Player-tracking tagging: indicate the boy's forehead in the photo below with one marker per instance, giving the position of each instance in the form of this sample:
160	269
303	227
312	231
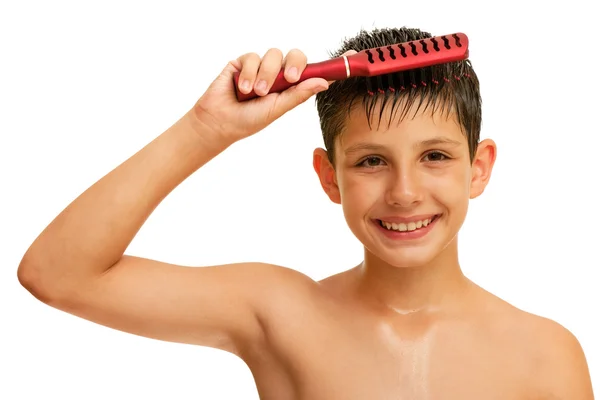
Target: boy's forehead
394	125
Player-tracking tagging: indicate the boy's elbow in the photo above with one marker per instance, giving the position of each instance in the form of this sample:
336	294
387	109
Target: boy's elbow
31	277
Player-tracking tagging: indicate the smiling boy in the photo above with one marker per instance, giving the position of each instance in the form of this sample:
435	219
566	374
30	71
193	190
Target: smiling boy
403	324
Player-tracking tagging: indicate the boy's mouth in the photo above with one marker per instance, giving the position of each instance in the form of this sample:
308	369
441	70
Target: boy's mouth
408	226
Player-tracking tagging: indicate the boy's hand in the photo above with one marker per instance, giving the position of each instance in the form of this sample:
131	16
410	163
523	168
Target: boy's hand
219	110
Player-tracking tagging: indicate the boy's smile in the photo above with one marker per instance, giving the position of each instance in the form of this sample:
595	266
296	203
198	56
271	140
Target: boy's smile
400	228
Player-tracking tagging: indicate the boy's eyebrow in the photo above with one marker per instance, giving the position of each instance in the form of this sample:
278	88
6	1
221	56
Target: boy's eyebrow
438	140
361	146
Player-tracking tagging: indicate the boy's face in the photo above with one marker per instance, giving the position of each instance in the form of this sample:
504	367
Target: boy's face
405	190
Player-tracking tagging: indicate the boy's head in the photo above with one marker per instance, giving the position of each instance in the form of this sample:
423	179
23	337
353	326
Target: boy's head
404	159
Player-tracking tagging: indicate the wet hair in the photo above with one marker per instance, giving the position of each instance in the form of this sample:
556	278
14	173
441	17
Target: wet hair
450	87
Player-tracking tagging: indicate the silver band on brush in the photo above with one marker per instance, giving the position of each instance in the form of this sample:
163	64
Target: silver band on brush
347	67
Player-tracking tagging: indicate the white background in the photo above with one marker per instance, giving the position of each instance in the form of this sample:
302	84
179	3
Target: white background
84	85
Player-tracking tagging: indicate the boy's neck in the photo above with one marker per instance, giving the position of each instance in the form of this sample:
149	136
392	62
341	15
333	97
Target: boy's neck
439	285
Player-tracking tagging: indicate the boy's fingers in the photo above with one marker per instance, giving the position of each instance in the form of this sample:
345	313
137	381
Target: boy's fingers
268	70
250	63
261	74
294	64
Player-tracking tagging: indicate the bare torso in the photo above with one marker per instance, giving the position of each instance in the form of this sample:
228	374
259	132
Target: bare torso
328	346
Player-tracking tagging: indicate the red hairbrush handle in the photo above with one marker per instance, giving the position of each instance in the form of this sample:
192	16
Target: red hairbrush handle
330	70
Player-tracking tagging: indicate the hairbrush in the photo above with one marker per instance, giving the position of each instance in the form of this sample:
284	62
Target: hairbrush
376	62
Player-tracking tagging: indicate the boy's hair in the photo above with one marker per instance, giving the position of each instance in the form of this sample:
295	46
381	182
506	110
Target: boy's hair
456	90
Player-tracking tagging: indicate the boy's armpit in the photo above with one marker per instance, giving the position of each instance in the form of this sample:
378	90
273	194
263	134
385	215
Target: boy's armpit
560	369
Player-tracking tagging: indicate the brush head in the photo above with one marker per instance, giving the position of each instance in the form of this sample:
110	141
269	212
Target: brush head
410	64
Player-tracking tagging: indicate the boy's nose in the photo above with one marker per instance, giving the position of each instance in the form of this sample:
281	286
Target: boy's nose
403	189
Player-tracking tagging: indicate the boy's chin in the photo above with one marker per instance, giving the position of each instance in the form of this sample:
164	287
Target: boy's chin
408	258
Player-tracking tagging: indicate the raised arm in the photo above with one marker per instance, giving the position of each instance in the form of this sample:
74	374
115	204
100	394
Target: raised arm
77	263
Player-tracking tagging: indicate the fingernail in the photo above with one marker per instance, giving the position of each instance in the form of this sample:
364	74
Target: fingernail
245	86
293	73
262	86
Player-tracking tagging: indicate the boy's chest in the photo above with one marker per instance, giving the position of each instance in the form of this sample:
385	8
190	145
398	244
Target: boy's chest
349	361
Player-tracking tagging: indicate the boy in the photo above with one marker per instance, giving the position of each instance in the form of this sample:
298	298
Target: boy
404	324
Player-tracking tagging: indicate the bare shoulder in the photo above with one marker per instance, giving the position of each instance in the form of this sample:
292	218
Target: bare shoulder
553	357
283	291
559	362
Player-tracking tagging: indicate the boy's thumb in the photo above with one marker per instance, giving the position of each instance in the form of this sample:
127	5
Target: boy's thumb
298	94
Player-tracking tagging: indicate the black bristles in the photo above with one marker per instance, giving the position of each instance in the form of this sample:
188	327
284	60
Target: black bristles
417	86
412	79
369	87
380	88
424	78
400	81
390	83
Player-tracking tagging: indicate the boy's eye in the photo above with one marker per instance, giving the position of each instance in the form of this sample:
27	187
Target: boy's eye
371	161
435	156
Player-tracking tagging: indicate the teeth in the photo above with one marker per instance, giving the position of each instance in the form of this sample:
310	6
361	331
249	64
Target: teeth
401	227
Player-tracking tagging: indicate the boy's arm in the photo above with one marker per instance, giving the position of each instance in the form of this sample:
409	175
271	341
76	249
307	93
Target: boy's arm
77	263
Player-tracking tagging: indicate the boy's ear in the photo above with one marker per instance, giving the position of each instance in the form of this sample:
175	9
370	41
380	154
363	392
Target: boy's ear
481	168
326	174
